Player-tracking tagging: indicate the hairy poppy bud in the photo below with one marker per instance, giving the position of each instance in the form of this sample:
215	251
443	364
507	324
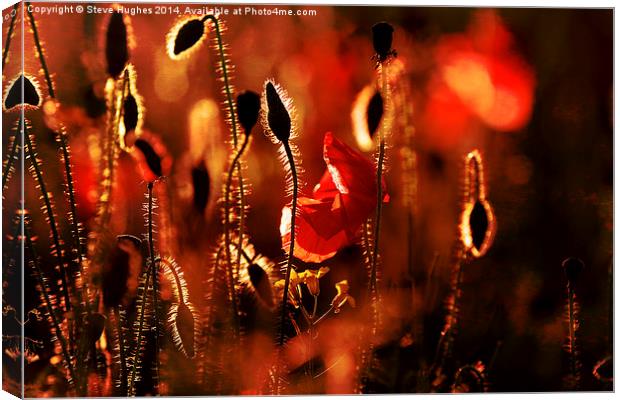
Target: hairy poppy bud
31	98
184	37
248	108
572	268
382	39
116	45
278	118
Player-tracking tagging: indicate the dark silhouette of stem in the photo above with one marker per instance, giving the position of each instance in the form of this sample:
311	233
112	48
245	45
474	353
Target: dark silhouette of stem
229	268
9	35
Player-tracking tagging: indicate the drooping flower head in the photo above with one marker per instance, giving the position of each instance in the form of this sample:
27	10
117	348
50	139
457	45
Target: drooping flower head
13	98
478	223
185	37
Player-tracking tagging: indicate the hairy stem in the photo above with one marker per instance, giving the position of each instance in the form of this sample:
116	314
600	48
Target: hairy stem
155	273
49	210
37	43
121	350
48	304
131	391
230	272
11	157
377	228
289	262
7	45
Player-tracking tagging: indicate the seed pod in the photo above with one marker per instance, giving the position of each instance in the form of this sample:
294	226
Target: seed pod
184	37
382	40
374	113
278	118
572	268
202	185
13	98
248	108
116	45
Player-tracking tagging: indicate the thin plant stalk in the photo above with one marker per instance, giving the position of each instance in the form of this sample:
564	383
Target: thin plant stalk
37	43
49	209
231	171
48	304
154	272
289	262
11	158
233	127
7	45
64	147
377	227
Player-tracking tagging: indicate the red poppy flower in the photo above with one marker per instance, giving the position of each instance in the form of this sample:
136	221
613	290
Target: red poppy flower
340	203
478	77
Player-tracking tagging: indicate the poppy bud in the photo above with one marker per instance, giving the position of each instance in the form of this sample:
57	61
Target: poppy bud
382	39
185	37
278	118
31	98
260	282
130	113
572	268
151	158
94	327
184	323
202	185
116	47
374	113
248	108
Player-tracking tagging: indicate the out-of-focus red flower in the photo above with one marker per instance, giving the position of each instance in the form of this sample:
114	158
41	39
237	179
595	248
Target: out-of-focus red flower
340	203
479	77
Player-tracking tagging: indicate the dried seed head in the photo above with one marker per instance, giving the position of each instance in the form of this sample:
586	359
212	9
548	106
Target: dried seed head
261	284
278	117
202	185
184	37
248	109
13	97
374	112
116	45
382	40
572	268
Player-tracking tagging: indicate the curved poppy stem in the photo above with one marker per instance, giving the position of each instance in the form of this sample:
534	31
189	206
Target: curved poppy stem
229	268
37	43
155	274
377	228
11	158
9	35
233	127
289	263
